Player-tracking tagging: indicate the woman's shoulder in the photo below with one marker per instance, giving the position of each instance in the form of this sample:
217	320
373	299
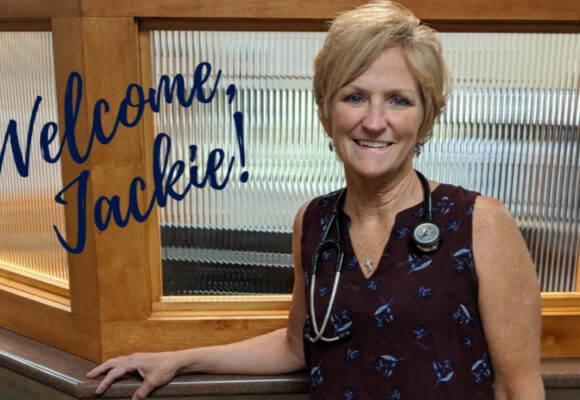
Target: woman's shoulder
321	204
490	214
447	189
447	198
314	213
496	235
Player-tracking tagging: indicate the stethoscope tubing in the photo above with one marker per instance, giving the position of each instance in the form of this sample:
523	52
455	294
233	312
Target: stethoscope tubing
319	332
324	244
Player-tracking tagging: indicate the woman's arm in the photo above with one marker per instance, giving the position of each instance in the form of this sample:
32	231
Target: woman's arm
273	353
509	301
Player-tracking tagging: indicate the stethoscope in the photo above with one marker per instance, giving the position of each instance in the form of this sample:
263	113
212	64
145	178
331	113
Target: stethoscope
426	236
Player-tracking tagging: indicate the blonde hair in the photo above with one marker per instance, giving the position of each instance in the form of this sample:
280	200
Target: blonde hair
357	37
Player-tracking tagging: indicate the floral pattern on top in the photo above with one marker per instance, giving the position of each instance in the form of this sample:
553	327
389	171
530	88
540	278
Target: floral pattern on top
414	329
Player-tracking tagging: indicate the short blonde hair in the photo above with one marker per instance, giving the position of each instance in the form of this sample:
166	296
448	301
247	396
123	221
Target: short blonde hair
357	37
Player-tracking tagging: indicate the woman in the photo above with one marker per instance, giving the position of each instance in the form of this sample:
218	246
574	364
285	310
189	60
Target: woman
410	323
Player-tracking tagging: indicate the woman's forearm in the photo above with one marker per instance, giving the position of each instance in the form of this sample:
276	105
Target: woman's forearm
273	353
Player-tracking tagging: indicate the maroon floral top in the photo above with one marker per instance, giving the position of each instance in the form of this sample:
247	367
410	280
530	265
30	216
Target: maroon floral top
415	324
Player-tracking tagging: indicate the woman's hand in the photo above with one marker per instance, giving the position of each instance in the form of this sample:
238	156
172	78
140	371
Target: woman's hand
156	369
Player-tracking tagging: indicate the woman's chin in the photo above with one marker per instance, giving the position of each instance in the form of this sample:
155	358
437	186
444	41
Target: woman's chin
373	173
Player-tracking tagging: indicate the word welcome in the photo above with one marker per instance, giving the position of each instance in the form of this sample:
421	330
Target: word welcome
134	103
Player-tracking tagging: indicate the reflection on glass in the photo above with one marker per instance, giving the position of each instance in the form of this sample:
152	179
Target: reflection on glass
510	131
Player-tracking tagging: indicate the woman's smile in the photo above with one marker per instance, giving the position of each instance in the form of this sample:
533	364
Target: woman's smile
372	144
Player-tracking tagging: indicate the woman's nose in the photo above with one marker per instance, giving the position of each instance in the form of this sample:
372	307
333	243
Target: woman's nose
375	120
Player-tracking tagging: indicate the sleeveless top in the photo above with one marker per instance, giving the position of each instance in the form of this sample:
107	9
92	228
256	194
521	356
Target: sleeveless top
415	323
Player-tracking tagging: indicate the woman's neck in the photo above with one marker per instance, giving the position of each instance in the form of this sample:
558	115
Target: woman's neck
383	199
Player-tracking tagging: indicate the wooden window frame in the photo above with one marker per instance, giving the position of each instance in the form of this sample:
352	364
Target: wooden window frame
115	305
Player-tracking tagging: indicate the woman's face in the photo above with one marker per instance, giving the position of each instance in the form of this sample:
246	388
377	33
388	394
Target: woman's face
375	119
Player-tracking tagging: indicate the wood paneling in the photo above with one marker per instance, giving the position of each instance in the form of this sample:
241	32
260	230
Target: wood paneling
561	336
490	10
436	10
111	55
68	57
73	333
164	334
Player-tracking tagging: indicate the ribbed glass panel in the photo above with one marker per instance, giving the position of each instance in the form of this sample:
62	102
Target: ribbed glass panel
510	131
28	244
284	145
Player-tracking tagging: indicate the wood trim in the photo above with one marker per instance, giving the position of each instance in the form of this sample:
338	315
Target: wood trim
578	270
505	26
25	25
217	24
222	303
297	15
302	25
40	8
453	10
34	292
34	284
561	303
152	225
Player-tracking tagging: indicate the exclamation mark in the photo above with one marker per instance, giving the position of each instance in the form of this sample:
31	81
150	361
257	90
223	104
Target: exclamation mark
239	121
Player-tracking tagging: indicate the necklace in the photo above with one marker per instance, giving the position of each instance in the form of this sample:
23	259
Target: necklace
368	264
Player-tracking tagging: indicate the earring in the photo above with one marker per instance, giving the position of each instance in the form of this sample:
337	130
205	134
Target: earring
331	145
417	148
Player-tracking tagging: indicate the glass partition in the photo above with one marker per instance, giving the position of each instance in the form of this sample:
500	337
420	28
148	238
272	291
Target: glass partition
510	131
29	247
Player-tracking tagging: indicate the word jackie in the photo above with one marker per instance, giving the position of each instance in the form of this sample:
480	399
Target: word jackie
134	103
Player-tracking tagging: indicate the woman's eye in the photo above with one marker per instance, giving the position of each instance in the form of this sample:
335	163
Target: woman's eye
354	99
400	101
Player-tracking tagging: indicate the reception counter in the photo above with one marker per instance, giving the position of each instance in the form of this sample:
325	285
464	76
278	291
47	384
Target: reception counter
32	370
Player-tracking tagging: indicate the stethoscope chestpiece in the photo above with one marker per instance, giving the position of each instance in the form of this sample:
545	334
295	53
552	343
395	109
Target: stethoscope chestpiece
426	236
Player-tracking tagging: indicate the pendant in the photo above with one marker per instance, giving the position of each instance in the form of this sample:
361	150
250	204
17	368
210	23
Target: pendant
369	264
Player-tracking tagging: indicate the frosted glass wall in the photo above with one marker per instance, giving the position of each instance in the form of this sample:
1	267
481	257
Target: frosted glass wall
28	244
510	131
